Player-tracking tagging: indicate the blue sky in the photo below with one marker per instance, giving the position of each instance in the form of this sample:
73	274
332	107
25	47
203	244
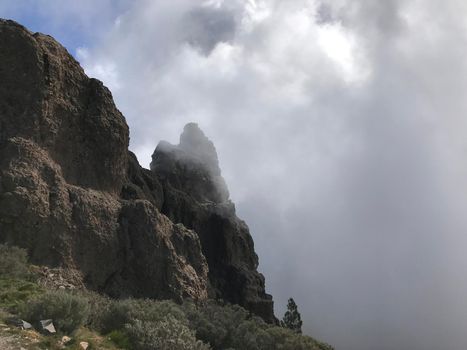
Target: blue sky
74	24
69	34
70	37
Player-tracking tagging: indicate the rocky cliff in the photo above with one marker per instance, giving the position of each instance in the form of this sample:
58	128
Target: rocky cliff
75	197
195	194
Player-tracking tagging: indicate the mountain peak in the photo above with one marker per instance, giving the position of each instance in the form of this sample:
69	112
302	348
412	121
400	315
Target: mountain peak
194	142
195	195
197	153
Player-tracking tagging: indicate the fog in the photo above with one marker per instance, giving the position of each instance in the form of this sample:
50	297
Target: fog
340	127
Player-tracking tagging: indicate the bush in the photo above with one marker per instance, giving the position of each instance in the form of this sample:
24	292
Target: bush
147	324
120	338
286	339
14	262
214	323
68	311
252	335
114	316
122	312
98	307
14	292
232	327
166	334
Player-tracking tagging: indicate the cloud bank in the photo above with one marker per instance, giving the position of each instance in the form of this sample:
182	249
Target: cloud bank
340	127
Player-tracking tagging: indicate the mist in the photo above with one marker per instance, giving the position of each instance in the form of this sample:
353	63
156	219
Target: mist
340	128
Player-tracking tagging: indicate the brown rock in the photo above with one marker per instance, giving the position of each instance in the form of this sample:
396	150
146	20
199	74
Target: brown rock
47	99
64	163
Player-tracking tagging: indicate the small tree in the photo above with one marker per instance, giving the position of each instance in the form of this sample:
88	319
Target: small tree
292	319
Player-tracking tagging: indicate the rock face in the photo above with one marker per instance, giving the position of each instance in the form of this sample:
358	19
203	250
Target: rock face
76	198
196	195
70	191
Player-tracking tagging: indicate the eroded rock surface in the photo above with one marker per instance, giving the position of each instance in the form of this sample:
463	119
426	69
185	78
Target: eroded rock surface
195	194
77	199
70	191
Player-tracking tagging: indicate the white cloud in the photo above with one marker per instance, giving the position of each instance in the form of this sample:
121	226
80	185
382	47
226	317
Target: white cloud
340	126
105	70
341	47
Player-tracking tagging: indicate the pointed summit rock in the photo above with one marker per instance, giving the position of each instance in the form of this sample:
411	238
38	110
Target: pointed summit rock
192	165
197	145
195	194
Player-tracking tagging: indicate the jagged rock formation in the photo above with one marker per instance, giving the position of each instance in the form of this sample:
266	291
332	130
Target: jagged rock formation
196	195
75	197
64	161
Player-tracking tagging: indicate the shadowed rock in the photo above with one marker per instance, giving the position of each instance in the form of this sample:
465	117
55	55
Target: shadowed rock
195	194
201	176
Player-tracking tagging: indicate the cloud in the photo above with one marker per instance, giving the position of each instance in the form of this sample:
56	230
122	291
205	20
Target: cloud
335	136
207	26
340	127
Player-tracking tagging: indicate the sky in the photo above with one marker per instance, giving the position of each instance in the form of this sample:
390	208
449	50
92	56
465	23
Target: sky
341	131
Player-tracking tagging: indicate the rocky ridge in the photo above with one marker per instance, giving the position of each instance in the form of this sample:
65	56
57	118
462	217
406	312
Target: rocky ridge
76	198
196	195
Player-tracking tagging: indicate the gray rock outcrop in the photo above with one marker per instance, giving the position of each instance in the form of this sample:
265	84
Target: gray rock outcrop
196	195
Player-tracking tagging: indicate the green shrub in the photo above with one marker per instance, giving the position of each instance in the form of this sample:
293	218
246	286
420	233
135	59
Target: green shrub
166	334
147	324
121	312
98	307
14	292
120	338
252	335
14	262
232	327
117	314
215	323
286	339
68	311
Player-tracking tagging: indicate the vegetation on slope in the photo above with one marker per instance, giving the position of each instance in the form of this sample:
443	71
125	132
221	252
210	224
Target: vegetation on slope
138	324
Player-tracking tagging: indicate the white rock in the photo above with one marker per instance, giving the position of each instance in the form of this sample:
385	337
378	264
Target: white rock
65	339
